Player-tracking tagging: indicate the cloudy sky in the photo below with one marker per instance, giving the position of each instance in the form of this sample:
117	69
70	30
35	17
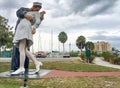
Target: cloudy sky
97	20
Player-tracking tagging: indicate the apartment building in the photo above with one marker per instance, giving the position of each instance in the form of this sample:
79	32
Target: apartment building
102	46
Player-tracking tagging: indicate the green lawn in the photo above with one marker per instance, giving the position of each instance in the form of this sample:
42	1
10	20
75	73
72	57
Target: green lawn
71	82
68	66
76	66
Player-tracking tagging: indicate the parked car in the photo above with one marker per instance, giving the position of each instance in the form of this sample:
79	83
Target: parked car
66	55
40	54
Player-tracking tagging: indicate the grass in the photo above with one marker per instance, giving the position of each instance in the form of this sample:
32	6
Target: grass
4	66
71	82
76	66
67	66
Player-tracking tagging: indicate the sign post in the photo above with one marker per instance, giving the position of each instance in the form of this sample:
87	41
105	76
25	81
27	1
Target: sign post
88	54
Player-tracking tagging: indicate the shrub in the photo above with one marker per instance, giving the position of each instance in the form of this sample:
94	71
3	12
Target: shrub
96	54
117	61
114	59
106	56
74	54
83	56
92	57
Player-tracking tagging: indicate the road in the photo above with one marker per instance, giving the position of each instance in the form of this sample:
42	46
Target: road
42	59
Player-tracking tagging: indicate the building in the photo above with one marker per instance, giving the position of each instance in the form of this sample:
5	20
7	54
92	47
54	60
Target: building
102	46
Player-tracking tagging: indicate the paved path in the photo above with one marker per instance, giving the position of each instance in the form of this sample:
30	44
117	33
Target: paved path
100	61
42	59
5	59
58	73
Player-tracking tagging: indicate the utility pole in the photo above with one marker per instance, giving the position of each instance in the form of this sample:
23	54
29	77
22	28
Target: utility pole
39	43
59	45
51	41
69	47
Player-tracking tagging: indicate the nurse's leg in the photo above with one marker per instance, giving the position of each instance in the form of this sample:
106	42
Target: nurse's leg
36	62
22	46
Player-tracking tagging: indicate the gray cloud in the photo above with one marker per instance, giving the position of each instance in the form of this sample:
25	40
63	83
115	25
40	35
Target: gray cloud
116	45
109	24
80	5
96	24
9	7
83	7
100	36
11	4
101	7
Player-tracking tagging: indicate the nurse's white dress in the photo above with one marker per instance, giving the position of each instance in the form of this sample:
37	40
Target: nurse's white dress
24	29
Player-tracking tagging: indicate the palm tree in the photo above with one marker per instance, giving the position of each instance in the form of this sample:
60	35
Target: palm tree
62	37
80	42
89	45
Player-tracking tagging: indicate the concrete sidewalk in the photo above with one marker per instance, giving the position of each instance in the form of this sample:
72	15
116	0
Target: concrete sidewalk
100	61
5	59
44	59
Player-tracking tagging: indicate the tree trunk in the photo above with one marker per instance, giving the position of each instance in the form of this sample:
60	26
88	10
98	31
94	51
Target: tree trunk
80	49
0	51
63	49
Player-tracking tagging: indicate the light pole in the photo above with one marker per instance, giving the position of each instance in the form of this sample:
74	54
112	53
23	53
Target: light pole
39	43
69	47
51	42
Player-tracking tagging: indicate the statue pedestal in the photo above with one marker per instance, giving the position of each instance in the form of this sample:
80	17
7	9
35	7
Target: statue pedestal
28	74
31	74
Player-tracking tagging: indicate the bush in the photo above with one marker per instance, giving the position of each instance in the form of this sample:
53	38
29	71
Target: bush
83	56
117	61
74	54
114	59
96	54
92	57
106	56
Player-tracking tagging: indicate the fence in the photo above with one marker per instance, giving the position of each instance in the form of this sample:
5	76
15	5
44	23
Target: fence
5	54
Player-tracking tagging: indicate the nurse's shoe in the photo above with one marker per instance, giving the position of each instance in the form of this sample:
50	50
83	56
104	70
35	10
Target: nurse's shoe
38	66
18	71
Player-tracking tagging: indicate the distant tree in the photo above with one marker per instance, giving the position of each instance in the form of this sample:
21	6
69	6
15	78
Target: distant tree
89	45
62	37
80	42
113	49
6	35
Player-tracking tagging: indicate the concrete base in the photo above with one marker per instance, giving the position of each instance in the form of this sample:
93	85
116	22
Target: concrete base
31	74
